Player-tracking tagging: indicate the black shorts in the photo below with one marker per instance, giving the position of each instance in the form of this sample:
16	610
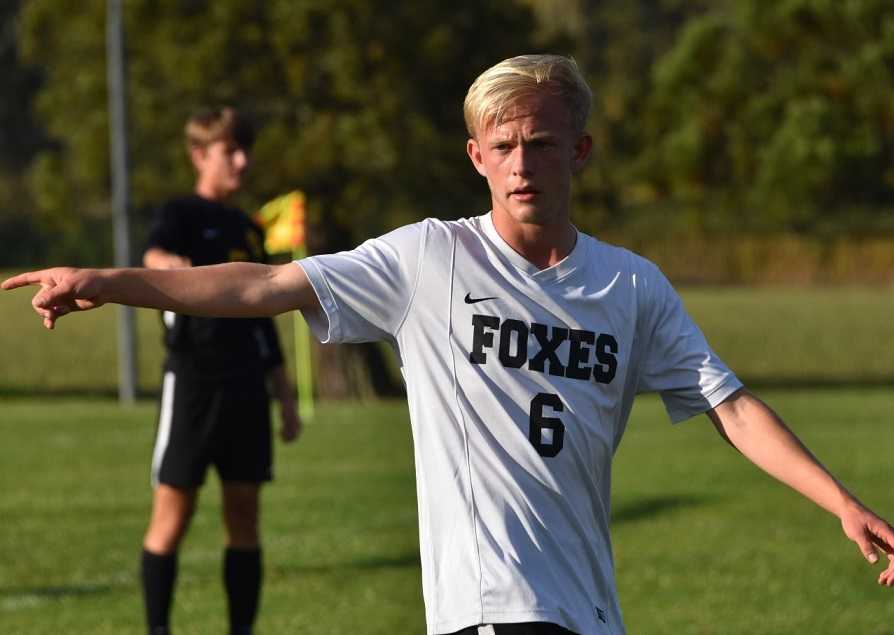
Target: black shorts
222	423
524	628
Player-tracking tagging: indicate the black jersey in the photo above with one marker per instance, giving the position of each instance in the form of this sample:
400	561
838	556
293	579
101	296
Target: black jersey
208	232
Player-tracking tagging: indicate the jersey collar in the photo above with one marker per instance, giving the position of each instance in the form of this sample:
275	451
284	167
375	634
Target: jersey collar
562	269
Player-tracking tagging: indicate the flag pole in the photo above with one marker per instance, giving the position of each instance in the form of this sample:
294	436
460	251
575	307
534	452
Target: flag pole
303	362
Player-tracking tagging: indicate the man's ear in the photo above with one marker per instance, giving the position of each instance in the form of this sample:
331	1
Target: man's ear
474	152
582	150
197	156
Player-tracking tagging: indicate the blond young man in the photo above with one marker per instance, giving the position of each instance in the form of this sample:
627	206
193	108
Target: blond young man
215	407
523	343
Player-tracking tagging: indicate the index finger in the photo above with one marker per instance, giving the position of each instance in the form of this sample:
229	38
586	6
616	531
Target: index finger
22	280
886	577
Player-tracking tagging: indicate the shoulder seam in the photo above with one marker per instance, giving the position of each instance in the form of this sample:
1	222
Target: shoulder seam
423	239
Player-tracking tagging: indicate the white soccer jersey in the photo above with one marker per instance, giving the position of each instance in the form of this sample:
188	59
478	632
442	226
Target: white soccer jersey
519	383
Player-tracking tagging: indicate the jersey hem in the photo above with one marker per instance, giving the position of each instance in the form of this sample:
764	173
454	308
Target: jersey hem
713	399
330	331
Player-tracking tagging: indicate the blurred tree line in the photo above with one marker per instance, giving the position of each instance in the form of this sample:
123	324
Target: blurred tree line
711	117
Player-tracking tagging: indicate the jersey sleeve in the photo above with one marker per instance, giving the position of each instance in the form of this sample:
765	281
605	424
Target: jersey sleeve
166	231
678	362
365	293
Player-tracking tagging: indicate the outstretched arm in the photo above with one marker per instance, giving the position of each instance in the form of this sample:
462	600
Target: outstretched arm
238	289
756	431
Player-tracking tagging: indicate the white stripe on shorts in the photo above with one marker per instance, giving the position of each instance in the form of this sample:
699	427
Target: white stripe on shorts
487	629
164	425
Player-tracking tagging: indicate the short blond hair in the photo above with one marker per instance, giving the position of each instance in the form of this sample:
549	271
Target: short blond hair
209	125
503	84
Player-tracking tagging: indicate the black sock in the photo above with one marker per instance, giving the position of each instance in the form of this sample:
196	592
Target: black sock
158	574
242	579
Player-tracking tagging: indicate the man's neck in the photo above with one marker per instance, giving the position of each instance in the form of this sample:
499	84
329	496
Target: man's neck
209	193
541	245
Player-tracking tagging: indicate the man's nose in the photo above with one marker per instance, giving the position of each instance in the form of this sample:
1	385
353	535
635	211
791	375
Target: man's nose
522	161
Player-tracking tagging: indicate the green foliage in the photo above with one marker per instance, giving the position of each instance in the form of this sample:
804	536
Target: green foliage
20	138
358	106
744	115
783	109
618	45
68	183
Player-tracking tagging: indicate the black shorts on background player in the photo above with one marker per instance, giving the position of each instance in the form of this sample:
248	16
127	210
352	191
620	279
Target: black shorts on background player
224	423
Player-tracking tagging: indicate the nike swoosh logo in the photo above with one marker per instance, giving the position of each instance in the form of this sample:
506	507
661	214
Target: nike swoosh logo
470	300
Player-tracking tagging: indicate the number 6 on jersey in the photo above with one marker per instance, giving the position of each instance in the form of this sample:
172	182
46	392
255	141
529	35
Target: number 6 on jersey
546	434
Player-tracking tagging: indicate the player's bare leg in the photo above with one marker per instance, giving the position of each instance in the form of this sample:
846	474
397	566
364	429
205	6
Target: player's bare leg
242	557
172	510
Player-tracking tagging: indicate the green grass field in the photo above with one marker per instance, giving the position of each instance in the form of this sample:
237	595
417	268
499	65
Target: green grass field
339	522
705	544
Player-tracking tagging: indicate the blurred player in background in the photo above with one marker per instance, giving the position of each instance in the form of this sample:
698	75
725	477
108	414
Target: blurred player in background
214	405
522	342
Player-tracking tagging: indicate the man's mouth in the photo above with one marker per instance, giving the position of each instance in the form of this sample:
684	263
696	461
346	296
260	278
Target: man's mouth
524	193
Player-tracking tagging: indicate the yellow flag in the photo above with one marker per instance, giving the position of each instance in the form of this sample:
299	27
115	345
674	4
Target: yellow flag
283	223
